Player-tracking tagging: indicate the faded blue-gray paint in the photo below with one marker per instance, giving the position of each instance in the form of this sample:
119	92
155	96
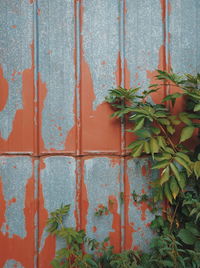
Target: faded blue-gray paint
16	36
15	173
12	264
184	46
101	178
56	66
101	44
139	182
143	39
58	180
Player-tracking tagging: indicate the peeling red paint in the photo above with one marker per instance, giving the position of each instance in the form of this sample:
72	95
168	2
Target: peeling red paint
23	117
48	251
98	129
115	237
11	248
84	205
42	96
3	205
94	229
3	89
13	200
144	171
128	229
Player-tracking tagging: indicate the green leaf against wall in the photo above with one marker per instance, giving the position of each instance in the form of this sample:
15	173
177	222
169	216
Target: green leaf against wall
187	236
186	133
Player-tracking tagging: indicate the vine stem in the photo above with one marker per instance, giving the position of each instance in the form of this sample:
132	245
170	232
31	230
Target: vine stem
174	215
168	138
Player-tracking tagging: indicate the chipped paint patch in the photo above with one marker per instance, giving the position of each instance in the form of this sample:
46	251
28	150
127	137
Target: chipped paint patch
13	264
101	181
14	182
57	186
101	44
15	56
139	215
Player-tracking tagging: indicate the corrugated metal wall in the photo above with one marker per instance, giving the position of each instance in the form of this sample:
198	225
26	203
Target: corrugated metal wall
57	143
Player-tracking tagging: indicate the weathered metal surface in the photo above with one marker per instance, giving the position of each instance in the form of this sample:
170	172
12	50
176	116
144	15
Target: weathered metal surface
138	214
184	37
16	76
56	68
101	186
99	72
144	45
57	186
18	210
58	60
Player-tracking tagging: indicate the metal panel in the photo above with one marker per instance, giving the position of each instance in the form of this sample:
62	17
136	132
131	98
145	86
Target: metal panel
100	187
57	186
144	45
184	37
58	61
137	215
56	75
16	76
18	217
99	72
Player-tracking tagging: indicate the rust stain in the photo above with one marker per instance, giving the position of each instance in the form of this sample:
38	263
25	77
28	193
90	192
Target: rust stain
163	10
42	96
157	98
84	205
23	121
94	229
48	251
13	200
3	205
128	229
14	26
115	237
3	89
98	129
11	248
144	171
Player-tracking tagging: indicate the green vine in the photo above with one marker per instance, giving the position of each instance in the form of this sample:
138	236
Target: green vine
163	135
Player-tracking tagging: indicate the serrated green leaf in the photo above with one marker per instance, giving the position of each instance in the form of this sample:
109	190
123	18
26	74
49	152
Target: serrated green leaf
164	121
143	133
197	107
187	133
154	146
197	169
170	129
167	192
184	156
138	151
135	144
155	130
161	164
174	187
139	124
161	141
177	174
146	147
187	237
163	156
164	176
184	164
184	118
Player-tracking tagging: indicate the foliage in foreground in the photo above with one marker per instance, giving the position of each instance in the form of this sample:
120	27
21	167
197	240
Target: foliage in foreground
177	243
